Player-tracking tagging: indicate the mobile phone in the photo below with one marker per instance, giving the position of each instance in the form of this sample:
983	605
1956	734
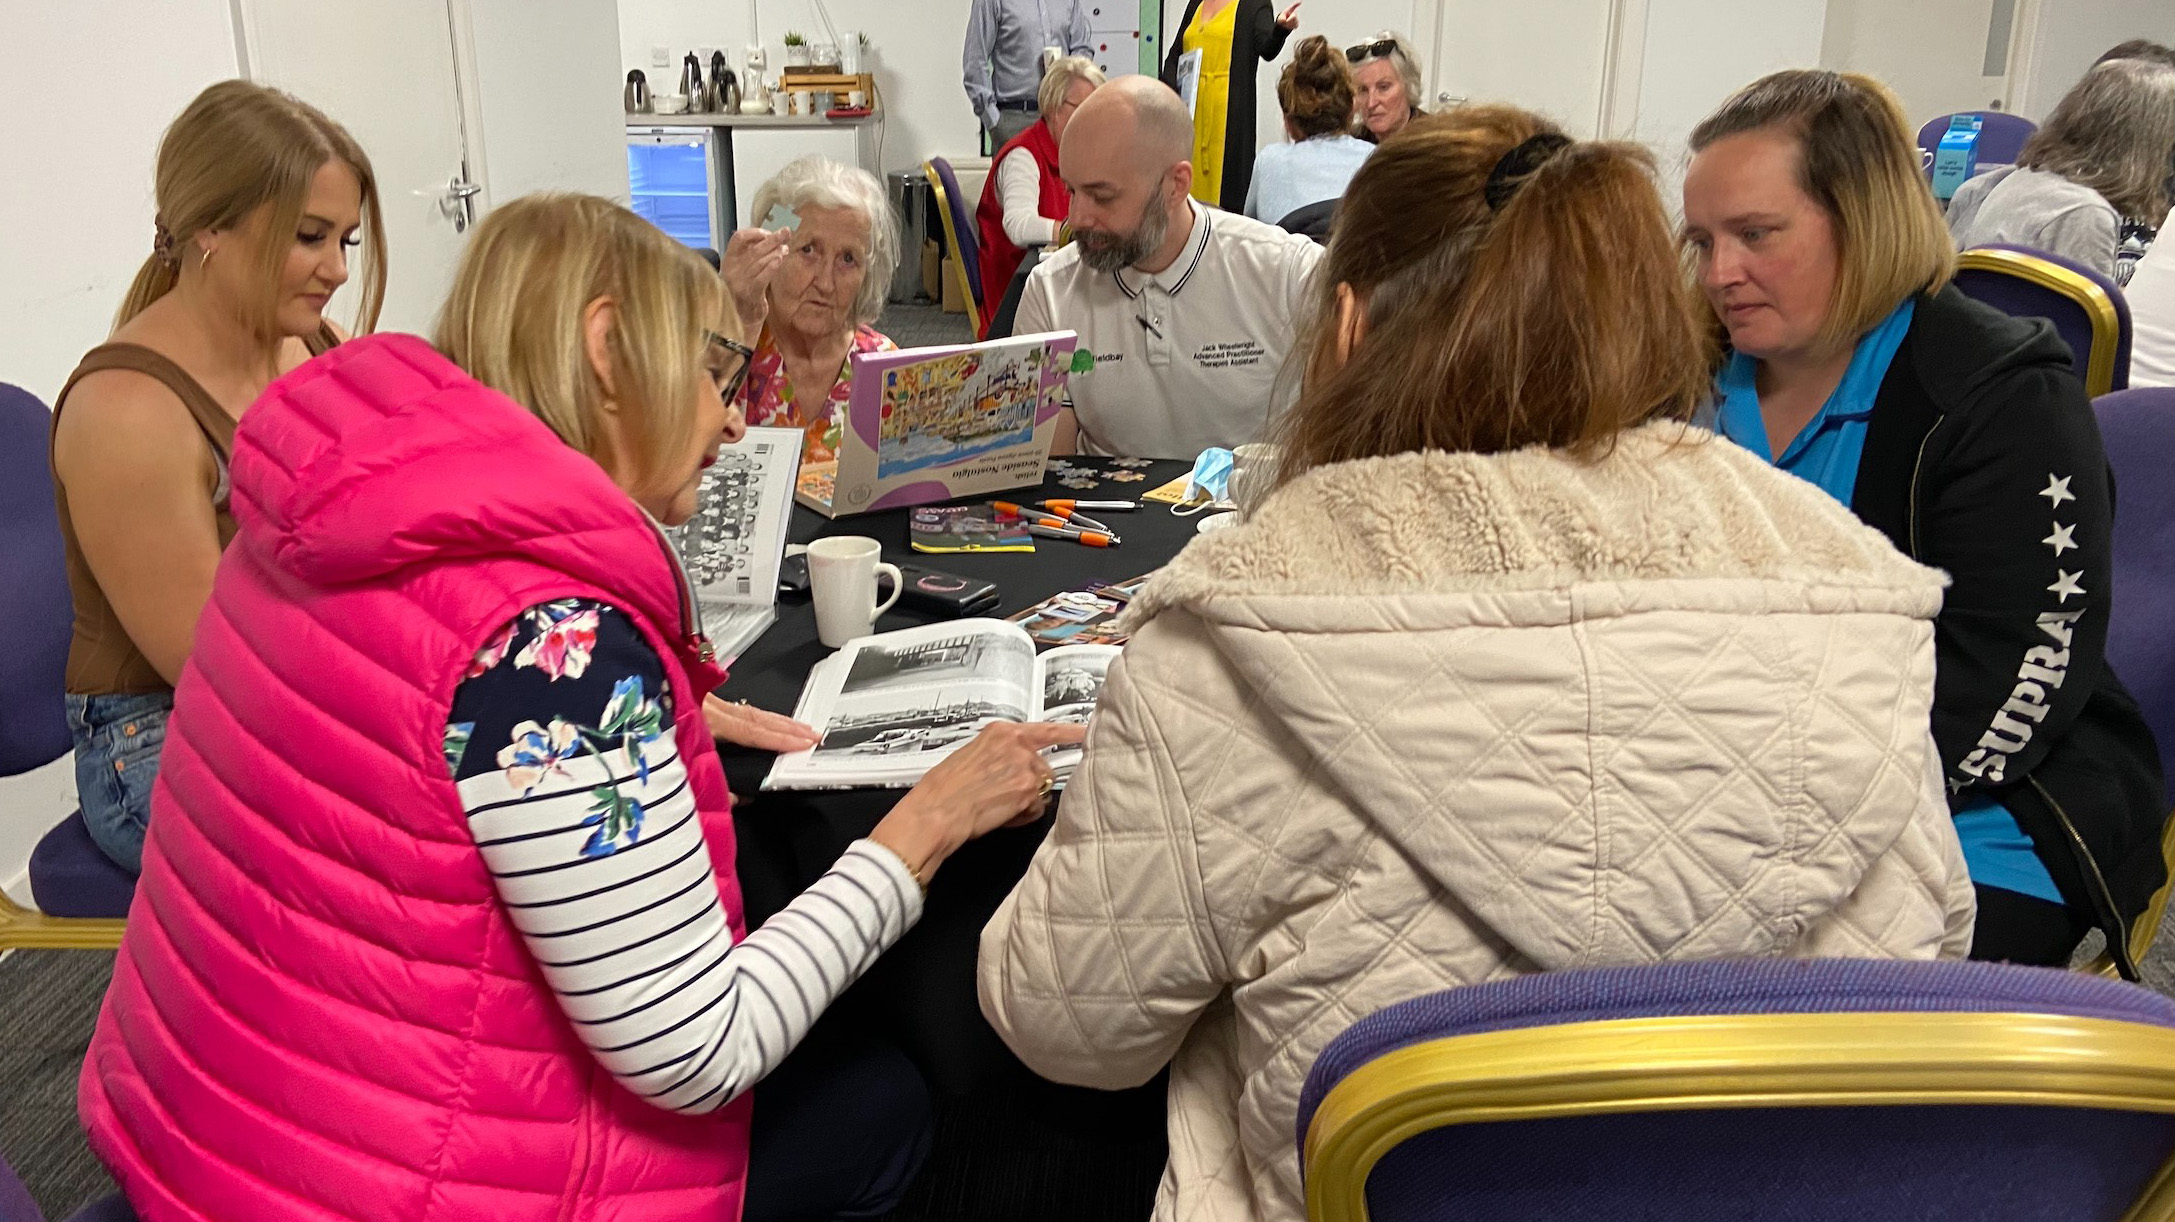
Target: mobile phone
793	574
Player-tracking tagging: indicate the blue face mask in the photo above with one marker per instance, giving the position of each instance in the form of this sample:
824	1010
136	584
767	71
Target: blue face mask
1210	480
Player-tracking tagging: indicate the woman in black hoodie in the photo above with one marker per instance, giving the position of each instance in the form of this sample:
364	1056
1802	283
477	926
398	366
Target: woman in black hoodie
1962	434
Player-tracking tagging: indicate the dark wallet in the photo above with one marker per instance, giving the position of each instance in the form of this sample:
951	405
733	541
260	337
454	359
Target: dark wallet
937	593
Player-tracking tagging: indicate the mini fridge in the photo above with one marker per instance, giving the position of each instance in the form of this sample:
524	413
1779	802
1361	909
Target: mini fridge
675	182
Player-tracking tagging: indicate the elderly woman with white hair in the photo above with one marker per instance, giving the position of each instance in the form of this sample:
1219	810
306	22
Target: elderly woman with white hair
1386	82
810	291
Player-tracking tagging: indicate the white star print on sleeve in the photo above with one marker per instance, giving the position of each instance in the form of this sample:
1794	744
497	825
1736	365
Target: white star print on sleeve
2066	584
2057	489
2063	539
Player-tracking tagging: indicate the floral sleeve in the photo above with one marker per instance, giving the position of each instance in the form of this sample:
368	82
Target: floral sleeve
561	745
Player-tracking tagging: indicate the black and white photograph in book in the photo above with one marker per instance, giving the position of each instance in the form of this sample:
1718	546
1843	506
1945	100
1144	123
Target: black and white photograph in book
718	544
1070	684
942	719
979	657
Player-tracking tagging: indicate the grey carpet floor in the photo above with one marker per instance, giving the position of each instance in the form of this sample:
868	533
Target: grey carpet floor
48	1005
922	325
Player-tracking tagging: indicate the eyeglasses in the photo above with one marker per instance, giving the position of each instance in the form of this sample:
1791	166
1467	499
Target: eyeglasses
1371	50
746	354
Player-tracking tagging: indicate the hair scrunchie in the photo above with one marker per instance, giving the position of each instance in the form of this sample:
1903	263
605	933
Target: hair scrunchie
1511	170
162	243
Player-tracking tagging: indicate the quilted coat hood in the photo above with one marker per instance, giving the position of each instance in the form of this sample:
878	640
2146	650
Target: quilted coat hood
1543	693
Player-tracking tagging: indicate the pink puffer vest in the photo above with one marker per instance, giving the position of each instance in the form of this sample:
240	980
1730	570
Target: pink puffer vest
320	1010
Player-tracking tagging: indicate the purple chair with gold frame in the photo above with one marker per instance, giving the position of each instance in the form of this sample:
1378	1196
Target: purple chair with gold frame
1782	1090
960	237
2086	307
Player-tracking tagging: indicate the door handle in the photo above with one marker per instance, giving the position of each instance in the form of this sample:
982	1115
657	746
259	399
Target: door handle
455	201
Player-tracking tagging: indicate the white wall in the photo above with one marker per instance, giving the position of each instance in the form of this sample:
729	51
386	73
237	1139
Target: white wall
1692	54
917	44
1931	52
75	223
2067	35
544	127
75	198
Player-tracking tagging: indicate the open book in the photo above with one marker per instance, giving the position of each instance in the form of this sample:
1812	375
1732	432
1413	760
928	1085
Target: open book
891	706
734	544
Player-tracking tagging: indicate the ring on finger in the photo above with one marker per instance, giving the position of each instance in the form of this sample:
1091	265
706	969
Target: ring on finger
1049	783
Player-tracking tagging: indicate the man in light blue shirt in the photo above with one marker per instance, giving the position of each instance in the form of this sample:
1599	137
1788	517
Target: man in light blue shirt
1005	39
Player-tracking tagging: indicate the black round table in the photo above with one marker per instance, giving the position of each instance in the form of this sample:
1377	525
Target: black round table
923	991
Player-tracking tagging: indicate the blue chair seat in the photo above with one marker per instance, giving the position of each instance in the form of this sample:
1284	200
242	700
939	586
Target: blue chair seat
70	876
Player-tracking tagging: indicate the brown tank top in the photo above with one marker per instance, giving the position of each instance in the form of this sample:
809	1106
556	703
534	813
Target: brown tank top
102	659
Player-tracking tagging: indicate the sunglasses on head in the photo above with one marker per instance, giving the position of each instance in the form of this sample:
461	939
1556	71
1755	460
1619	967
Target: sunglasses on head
740	375
1370	50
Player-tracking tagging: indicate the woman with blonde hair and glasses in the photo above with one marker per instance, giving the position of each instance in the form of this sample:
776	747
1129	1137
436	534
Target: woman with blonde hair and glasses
260	198
438	916
2093	185
1962	435
1513	670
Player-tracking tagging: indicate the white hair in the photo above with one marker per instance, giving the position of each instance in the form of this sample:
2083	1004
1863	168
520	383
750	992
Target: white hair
1057	82
819	182
1404	59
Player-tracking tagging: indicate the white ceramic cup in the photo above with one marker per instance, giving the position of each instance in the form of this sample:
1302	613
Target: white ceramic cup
842	577
856	99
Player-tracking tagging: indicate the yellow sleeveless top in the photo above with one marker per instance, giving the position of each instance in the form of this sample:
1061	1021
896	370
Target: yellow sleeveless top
1212	97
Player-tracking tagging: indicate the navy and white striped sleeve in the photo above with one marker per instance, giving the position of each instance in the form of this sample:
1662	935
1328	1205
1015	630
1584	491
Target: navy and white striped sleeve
561	744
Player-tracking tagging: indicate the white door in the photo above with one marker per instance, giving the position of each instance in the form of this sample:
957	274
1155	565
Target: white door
1549	56
391	76
1940	56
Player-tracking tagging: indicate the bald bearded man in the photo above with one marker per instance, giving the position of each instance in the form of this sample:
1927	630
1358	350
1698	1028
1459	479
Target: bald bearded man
1189	310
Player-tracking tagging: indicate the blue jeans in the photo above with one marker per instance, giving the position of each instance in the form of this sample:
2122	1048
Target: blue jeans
117	742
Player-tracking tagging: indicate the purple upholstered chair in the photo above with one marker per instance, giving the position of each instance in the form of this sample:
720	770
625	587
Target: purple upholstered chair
2086	308
2001	136
1782	1090
960	236
69	876
2138	427
16	1205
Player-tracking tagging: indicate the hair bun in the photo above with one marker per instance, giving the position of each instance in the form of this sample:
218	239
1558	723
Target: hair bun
1316	87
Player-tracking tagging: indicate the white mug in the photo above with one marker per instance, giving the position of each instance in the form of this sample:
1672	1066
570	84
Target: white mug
842	576
856	99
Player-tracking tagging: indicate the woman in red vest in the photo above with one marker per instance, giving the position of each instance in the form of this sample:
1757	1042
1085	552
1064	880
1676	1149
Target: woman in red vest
1024	202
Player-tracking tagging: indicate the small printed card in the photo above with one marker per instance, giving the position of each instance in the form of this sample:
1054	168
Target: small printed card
1080	617
967	528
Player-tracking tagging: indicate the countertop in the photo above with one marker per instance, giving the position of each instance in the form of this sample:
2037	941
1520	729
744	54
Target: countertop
718	120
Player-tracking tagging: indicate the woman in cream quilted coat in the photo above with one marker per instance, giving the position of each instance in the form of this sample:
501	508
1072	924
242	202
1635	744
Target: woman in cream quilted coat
1513	671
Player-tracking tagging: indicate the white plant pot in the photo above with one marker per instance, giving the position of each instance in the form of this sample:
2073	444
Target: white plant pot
796	57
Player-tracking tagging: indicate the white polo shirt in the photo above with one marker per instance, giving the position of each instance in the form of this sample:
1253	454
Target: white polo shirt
1187	358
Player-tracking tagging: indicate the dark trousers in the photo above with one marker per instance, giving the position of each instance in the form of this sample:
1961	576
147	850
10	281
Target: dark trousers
2016	928
841	1129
